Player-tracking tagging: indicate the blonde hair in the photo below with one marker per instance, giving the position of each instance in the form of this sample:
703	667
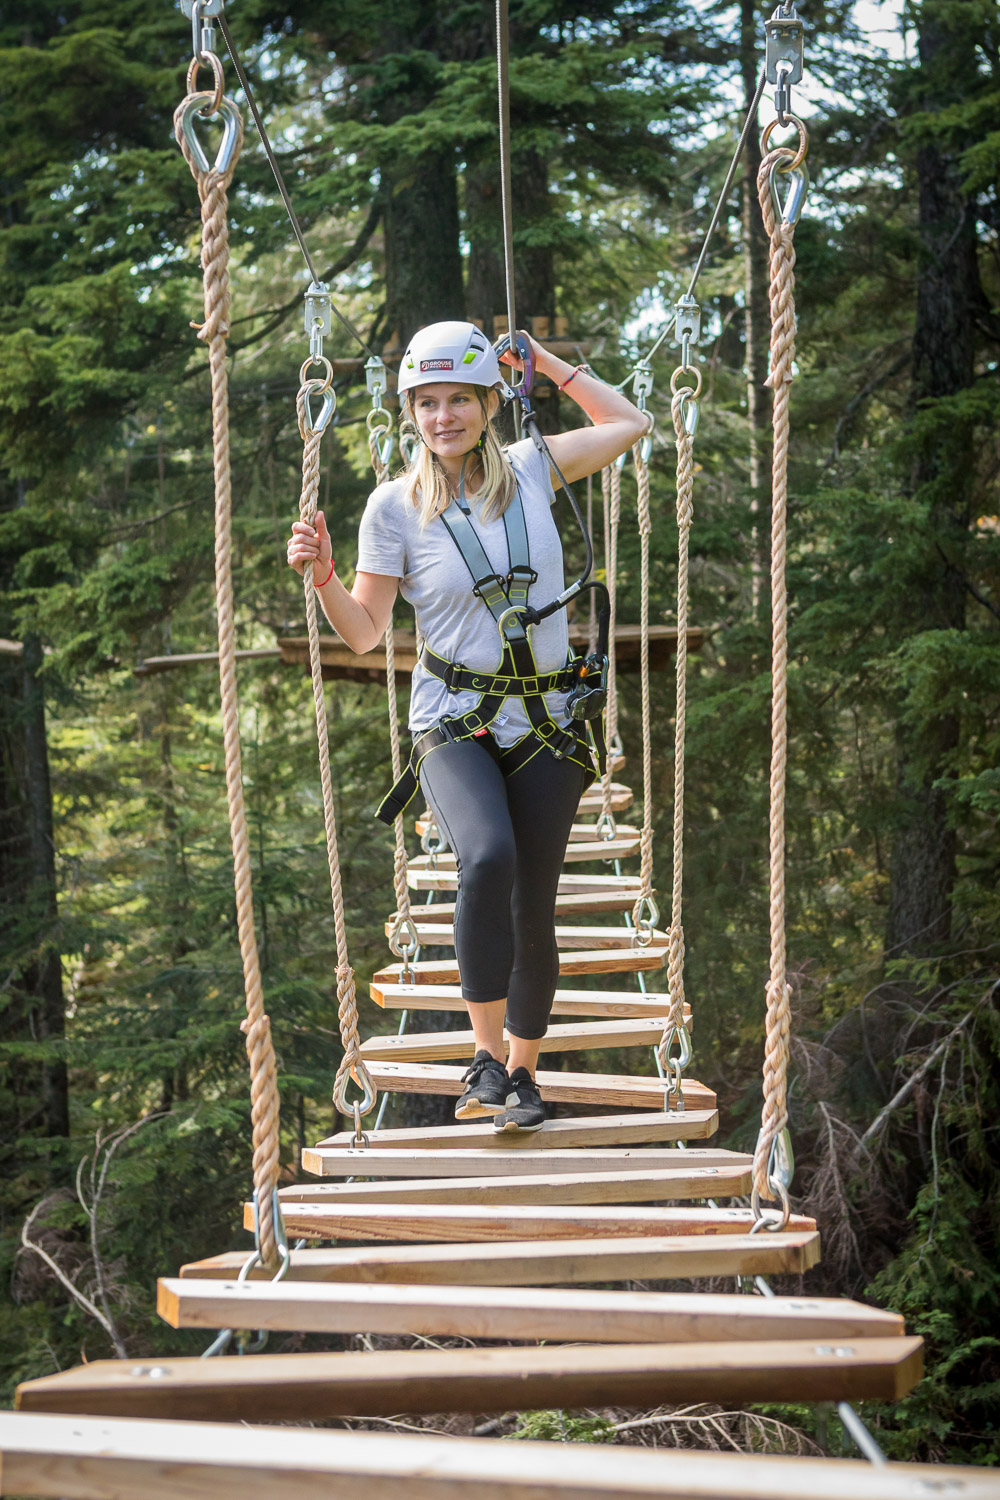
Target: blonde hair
426	485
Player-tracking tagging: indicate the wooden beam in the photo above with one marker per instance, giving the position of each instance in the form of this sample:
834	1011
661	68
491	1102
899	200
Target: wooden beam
153	665
606	961
440	1046
542	1263
616	1089
676	1184
442	935
340	662
318	1386
559	1315
340	1161
566	1002
451	1221
598	1130
80	1458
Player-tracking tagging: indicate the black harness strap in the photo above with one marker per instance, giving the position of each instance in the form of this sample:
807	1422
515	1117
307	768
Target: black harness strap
518	674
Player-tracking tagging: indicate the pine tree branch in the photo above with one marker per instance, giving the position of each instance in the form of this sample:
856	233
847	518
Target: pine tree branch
342	264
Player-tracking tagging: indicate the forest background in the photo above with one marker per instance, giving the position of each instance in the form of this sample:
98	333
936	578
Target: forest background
120	988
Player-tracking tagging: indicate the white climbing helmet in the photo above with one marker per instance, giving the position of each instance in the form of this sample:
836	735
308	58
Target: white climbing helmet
446	352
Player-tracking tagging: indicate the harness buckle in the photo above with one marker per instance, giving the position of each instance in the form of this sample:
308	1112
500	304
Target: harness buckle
448	677
563	745
491	582
522	571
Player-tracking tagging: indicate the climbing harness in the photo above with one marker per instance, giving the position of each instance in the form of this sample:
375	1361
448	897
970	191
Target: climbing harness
518	676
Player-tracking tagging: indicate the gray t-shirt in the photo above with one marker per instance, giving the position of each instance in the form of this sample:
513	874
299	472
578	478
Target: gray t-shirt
433	578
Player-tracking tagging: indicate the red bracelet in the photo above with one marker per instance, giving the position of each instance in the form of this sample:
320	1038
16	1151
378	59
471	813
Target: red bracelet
326	580
570	377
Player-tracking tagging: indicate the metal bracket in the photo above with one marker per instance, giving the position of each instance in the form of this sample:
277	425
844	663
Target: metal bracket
375	378
783	56
687	320
318	316
642	385
206	8
784	35
687	326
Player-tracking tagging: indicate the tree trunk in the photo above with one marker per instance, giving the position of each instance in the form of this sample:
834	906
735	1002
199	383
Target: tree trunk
756	318
46	977
423	266
922	867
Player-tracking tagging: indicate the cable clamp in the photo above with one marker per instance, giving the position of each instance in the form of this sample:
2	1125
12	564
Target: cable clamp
687	326
318	317
783	33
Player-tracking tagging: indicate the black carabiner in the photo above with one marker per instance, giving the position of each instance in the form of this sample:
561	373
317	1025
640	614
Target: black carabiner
522	380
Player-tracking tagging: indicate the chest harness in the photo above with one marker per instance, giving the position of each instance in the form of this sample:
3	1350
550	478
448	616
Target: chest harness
517	676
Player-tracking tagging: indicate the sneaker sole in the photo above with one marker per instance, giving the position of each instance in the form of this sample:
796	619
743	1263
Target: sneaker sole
510	1126
474	1109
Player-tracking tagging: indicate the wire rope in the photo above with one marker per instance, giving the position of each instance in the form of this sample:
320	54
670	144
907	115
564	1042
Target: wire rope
279	179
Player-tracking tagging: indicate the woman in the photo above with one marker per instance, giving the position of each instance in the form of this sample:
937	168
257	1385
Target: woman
504	795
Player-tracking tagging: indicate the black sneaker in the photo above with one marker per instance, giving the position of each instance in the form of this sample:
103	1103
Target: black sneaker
525	1110
487	1088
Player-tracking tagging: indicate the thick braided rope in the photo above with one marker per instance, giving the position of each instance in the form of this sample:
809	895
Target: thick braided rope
774	1115
685	515
400	863
351	1064
264	1100
611	489
645	530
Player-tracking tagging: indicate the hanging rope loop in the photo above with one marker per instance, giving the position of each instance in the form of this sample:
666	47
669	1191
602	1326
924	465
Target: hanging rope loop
213	184
774	1114
352	1065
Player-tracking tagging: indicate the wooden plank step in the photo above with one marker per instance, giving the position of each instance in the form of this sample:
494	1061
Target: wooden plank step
106	1458
439	1046
566	1002
579	832
607	961
453	1221
619	1089
677	1184
380	1383
341	1161
442	935
541	1262
622	846
593	800
602	1130
578	904
427	872
87	1456
589	1317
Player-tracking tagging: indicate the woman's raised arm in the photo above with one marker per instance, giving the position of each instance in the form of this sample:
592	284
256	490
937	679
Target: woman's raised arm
617	424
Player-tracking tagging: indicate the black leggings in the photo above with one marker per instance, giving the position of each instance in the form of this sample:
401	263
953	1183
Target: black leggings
509	838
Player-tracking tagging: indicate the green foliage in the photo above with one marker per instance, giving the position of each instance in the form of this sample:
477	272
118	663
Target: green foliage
561	1427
